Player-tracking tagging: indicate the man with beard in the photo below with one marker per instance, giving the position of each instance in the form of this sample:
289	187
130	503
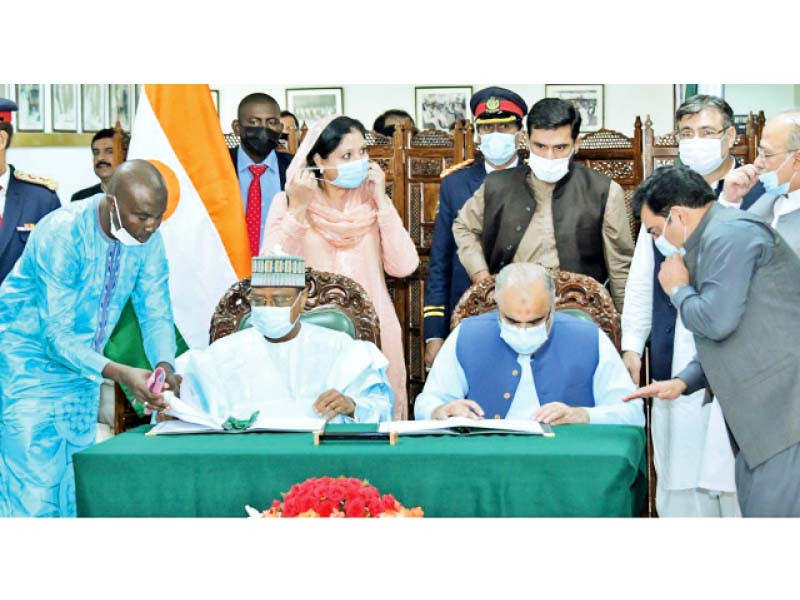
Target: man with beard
260	169
103	161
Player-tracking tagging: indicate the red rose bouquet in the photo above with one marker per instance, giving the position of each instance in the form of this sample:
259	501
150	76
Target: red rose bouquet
336	497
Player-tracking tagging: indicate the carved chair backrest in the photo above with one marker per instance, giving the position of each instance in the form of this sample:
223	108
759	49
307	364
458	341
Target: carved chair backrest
618	157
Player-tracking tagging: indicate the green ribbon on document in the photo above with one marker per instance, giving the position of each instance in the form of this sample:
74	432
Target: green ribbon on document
238	425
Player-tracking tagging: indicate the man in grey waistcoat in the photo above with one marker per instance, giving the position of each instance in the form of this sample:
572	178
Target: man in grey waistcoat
735	282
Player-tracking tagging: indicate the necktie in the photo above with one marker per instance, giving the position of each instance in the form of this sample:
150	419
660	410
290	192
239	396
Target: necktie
253	215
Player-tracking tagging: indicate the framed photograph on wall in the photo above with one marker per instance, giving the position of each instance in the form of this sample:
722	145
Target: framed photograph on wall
93	114
64	106
440	107
587	98
311	104
30	102
119	105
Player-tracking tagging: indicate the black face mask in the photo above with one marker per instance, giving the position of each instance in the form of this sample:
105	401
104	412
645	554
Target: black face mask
259	140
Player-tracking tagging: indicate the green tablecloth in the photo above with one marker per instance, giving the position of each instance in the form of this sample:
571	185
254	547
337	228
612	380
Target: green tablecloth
585	470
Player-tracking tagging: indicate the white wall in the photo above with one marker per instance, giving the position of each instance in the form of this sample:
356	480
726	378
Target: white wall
772	99
366	102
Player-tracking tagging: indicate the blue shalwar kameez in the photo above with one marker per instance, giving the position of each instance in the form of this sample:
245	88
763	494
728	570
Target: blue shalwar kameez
58	307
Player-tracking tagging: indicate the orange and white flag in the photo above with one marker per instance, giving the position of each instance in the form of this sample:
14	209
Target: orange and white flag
177	129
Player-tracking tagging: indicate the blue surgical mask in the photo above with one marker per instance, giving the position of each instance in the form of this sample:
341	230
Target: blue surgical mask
666	247
351	174
273	322
523	341
498	148
770	181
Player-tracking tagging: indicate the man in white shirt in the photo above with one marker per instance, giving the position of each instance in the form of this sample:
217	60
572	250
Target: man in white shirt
526	361
776	168
692	454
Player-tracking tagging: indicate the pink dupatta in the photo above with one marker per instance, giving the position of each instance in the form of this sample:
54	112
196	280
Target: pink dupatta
341	228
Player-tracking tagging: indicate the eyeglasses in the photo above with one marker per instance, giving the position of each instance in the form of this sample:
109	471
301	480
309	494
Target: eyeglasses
279	301
705	133
761	154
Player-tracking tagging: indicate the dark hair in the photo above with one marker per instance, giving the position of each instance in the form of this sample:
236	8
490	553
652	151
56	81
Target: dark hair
331	137
9	129
670	186
388	130
103	134
696	103
552	113
256	98
286	113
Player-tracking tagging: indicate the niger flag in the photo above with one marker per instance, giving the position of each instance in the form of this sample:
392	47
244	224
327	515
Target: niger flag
205	236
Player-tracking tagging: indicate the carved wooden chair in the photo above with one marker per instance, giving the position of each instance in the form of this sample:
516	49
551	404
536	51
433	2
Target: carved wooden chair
661	150
574	292
618	157
329	297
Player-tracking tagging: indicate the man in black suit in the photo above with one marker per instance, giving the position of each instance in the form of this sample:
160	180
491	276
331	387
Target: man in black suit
24	198
103	161
261	170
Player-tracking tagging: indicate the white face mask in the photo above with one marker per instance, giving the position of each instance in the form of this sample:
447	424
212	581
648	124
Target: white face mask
273	322
701	155
549	170
121	233
524	341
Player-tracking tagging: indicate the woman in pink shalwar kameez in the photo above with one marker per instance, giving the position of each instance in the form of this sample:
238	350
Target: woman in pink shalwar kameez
345	223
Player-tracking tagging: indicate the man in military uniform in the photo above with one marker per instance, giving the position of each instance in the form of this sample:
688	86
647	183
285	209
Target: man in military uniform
498	122
24	198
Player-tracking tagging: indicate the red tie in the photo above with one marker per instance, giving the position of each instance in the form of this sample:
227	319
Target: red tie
253	215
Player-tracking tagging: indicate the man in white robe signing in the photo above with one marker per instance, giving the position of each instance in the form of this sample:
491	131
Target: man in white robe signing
281	367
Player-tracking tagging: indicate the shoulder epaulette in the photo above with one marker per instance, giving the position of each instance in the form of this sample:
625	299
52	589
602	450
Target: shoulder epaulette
456	167
50	184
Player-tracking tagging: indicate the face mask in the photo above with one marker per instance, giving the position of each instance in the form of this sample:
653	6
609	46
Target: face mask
770	181
549	170
351	174
666	247
121	233
523	341
260	140
701	155
273	322
498	148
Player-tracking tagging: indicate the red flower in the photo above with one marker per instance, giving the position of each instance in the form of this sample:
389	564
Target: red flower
355	507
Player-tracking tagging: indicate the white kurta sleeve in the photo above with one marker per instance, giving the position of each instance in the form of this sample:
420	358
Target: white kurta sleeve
359	372
446	381
611	383
637	313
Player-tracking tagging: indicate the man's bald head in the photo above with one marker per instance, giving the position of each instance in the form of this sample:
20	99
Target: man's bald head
525	293
138	174
787	124
141	197
524	279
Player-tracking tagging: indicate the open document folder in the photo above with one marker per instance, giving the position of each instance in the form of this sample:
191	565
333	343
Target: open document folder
465	426
191	420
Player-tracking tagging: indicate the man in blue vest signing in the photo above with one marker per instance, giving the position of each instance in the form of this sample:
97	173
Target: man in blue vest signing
526	361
